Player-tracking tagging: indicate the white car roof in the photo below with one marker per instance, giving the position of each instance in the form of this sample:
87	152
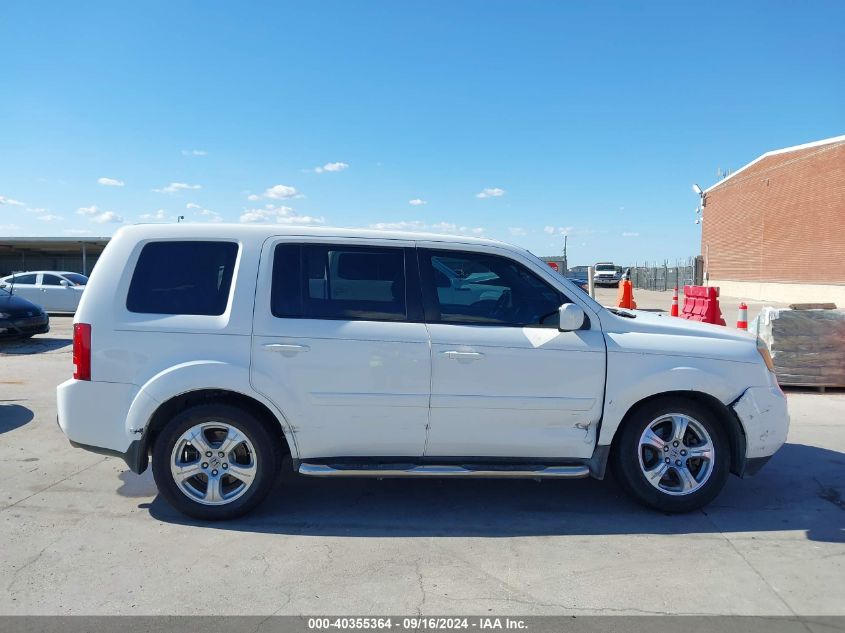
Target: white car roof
43	272
222	230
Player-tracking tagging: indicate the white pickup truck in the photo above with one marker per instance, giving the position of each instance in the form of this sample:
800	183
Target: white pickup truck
606	274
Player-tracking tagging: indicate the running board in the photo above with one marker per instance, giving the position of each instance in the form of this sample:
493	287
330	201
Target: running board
482	471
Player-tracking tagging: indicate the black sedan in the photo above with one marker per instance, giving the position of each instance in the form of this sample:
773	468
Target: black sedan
20	318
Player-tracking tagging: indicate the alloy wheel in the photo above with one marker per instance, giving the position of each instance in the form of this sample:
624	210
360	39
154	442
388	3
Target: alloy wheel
213	463
676	454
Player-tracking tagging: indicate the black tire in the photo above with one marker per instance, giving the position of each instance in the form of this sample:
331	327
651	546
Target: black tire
625	458
268	458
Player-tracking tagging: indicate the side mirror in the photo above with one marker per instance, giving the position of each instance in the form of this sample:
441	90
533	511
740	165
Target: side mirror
65	283
571	317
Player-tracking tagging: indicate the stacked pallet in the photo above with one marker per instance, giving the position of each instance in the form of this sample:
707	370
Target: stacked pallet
807	346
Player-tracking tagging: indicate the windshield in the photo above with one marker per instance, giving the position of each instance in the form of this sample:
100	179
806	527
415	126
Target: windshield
76	278
606	267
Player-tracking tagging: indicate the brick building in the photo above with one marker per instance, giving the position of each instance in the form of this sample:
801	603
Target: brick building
775	229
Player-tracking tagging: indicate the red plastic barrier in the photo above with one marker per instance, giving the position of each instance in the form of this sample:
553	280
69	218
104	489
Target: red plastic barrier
701	303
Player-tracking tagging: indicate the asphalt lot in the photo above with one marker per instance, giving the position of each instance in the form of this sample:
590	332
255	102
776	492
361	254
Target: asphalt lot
79	534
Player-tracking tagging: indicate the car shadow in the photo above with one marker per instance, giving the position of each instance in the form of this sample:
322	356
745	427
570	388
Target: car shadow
13	416
35	345
801	488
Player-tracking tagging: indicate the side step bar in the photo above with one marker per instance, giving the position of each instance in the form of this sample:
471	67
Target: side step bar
390	471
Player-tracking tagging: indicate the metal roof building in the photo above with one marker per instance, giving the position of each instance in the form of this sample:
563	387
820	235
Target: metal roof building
78	254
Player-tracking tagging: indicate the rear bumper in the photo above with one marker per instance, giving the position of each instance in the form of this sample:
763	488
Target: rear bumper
134	457
93	415
765	420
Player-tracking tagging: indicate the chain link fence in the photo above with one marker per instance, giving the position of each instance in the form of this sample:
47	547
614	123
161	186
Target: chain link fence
666	275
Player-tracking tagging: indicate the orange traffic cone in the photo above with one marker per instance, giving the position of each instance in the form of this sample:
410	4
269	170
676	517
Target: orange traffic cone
674	311
625	297
742	319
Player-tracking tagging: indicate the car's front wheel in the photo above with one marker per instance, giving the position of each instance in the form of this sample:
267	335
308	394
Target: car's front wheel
215	461
672	455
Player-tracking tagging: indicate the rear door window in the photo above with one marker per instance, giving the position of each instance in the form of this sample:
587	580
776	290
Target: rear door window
189	277
322	281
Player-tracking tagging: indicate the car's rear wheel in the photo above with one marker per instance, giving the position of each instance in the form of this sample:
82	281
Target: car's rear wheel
672	455
215	461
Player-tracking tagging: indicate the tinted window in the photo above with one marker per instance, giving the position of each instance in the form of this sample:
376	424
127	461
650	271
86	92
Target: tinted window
339	282
182	278
476	288
76	278
51	280
24	279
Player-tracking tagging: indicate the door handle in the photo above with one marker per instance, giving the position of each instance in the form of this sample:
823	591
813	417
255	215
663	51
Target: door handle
456	355
288	349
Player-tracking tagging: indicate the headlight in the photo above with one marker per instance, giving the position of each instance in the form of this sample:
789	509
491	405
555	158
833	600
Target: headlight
763	349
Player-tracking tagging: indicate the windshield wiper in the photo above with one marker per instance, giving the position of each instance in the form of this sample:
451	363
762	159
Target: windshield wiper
623	313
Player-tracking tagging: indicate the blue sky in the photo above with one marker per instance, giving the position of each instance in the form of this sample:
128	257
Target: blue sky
516	120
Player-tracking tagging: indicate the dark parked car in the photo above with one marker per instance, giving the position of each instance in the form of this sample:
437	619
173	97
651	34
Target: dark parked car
20	318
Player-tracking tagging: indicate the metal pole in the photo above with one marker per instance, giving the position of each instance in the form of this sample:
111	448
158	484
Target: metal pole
591	283
84	260
565	259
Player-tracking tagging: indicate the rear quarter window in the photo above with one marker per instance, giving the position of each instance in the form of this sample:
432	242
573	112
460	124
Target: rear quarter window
190	277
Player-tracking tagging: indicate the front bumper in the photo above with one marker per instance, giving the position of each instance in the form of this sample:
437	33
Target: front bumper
764	417
13	327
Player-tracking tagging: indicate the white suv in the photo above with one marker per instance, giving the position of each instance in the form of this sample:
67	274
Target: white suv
218	350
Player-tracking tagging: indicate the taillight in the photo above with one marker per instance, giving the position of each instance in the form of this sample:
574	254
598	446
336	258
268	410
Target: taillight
82	351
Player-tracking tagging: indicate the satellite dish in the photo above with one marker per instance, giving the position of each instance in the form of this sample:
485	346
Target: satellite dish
697	189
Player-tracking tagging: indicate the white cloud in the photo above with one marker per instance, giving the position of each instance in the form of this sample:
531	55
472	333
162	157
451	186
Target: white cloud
517	231
16	203
194	152
630	234
331	167
50	218
110	182
416	202
560	230
280	215
174	187
107	217
490	192
211	216
37	210
254	197
437	227
160	214
192	205
280	192
94	213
